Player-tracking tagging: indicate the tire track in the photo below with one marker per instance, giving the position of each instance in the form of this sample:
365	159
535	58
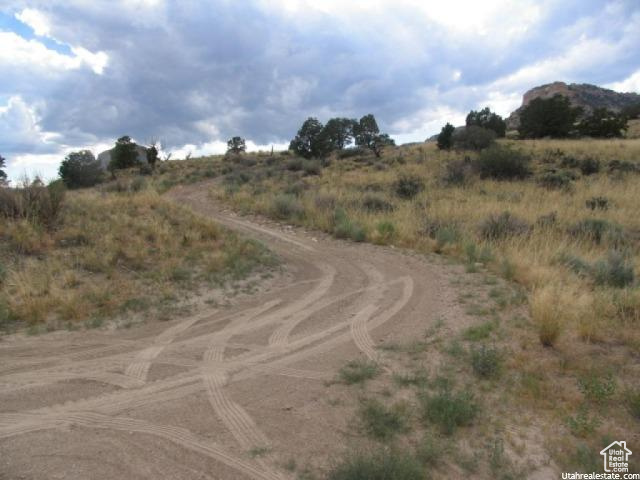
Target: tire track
139	368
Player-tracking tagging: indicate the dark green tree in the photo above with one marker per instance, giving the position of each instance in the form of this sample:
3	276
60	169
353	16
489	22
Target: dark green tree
548	117
3	175
603	123
445	138
339	132
310	141
236	145
80	170
367	134
152	156
124	154
485	118
631	111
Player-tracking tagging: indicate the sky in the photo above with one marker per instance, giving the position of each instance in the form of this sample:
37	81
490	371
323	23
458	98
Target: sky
77	74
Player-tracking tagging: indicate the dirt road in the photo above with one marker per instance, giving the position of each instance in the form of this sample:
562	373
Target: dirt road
233	392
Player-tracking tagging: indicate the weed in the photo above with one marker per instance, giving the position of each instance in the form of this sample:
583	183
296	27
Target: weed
382	422
418	378
429	450
382	464
597	203
448	409
476	333
581	425
598	231
260	451
596	388
486	361
346	228
358	371
386	231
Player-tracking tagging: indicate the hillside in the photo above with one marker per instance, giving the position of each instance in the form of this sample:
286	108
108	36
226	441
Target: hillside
582	95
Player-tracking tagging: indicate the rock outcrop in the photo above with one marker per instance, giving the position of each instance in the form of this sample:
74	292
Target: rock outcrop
580	95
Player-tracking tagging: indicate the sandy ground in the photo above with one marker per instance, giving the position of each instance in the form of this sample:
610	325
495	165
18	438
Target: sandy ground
230	393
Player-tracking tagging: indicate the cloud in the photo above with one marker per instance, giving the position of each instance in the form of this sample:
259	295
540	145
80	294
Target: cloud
194	73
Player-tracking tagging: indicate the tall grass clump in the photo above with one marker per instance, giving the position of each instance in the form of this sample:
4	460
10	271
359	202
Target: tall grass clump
285	207
449	409
382	422
501	226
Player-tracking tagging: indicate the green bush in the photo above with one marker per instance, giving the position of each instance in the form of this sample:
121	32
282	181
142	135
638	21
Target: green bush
382	422
503	163
501	226
632	401
448	409
386	230
557	180
599	231
486	361
458	172
295	164
589	166
375	204
616	270
408	186
285	207
384	464
80	169
473	137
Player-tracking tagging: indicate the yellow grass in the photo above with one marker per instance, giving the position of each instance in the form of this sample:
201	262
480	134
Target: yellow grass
111	255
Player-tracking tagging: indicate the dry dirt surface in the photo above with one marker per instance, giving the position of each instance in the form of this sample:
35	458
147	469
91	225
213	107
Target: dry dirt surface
230	393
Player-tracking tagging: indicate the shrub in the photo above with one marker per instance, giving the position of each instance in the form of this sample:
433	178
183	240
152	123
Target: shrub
562	179
311	167
296	188
124	154
445	138
408	186
295	164
598	231
375	204
34	202
569	162
449	410
503	163
385	464
501	226
473	137
358	371
285	207
623	166
236	178
382	422
547	221
80	169
458	172
589	166
616	270
597	203
486	361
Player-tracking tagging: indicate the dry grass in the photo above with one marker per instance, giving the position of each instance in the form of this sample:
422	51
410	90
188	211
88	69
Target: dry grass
114	254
